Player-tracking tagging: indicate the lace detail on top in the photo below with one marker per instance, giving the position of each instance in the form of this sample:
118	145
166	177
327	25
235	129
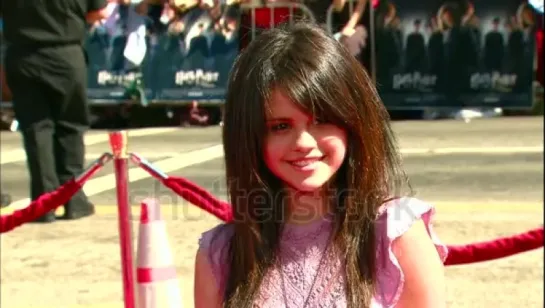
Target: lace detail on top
301	251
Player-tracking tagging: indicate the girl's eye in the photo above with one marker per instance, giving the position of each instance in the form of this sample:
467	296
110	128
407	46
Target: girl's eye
279	127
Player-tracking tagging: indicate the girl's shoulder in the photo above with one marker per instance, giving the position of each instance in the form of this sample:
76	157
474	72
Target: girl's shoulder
395	218
216	237
397	215
215	244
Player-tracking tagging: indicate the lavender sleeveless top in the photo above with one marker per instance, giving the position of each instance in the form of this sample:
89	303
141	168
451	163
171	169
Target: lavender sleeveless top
301	250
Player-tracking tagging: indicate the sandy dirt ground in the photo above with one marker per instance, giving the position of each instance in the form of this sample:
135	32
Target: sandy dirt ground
76	264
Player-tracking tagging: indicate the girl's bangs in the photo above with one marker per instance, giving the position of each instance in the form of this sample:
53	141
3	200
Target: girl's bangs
309	94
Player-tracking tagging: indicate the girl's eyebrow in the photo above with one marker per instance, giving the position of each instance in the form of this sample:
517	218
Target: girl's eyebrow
278	119
283	118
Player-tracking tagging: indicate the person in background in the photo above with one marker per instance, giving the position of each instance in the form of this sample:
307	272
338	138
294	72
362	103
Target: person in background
5	200
494	46
388	45
197	116
415	51
435	48
352	17
473	24
47	75
5	95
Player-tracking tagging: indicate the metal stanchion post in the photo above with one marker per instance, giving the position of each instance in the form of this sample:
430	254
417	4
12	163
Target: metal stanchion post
118	143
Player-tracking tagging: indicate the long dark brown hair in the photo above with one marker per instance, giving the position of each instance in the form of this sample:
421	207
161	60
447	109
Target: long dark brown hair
319	74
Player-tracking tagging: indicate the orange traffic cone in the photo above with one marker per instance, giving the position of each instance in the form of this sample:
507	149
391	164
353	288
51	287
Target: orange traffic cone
155	273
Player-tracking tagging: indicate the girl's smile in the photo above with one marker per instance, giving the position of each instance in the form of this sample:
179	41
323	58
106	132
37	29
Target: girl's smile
306	164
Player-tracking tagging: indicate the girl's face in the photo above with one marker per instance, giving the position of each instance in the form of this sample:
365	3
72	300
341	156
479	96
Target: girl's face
300	150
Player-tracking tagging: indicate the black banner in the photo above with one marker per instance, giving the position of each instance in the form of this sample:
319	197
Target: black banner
432	53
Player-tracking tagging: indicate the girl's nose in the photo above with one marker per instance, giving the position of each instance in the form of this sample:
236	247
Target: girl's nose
305	141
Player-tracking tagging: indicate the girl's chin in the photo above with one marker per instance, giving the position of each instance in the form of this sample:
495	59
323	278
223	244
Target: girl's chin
307	186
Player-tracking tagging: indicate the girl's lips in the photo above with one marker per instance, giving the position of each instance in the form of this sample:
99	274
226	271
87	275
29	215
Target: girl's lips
305	164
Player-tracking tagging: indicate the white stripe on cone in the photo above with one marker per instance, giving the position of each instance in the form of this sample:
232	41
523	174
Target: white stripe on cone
154	245
164	294
156	275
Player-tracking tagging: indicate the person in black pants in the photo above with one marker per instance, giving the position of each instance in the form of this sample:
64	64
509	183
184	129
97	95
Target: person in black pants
46	73
5	200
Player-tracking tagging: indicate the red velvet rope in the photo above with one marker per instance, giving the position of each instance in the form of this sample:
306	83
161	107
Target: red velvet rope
459	254
42	205
495	249
200	197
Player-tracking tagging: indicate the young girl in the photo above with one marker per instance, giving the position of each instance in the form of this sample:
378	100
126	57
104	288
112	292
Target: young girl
313	174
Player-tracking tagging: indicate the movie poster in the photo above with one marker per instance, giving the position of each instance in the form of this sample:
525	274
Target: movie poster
118	51
179	53
505	31
457	53
196	54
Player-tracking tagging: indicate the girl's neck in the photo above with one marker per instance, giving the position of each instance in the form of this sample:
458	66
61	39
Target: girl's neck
305	208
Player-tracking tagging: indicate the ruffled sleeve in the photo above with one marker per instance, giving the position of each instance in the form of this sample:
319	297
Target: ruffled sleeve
395	218
215	243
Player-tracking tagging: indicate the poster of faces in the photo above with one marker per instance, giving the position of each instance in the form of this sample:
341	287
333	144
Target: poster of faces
455	53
